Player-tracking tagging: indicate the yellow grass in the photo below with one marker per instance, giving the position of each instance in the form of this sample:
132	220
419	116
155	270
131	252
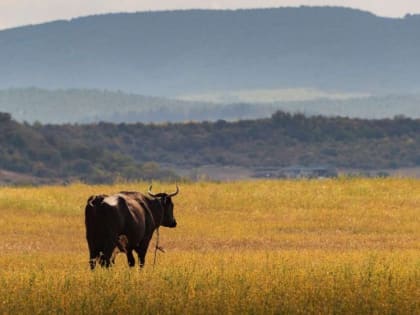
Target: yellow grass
345	246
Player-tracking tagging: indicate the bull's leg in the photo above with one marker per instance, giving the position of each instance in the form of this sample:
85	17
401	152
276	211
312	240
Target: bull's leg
142	250
107	254
142	257
92	261
93	255
101	258
130	257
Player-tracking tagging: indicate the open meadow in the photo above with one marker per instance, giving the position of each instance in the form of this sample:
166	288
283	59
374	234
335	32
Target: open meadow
342	246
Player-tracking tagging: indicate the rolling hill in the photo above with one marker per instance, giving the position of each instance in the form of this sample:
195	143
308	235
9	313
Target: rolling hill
194	51
89	106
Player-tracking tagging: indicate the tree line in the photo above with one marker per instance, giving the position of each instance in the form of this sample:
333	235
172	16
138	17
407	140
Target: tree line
104	152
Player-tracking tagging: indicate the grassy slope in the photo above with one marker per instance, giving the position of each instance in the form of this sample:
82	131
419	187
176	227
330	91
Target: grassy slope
334	246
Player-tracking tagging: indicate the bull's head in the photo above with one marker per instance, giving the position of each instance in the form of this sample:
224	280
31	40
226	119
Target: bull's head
165	201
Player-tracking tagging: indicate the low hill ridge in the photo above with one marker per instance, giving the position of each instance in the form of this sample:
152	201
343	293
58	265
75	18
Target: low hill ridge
179	52
106	152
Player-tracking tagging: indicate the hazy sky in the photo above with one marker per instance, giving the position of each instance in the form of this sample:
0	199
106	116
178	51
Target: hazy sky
22	12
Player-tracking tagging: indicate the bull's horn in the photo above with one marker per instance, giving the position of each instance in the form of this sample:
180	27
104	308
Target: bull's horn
175	193
150	192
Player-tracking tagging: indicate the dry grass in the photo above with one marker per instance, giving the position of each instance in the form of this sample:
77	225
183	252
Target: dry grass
322	247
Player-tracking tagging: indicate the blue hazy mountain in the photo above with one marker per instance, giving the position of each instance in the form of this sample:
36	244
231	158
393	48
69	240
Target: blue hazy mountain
179	52
90	106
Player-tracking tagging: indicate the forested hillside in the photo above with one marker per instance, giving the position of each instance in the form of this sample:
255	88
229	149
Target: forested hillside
28	150
105	151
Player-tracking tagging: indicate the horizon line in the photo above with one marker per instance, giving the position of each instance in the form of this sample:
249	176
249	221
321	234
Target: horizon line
7	28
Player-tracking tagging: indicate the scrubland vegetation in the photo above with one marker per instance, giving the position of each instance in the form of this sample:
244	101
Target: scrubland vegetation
101	153
343	246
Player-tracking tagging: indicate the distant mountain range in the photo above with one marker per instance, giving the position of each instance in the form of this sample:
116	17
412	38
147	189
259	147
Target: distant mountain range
87	106
196	51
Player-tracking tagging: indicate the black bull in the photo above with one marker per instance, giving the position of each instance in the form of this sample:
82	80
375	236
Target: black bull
128	216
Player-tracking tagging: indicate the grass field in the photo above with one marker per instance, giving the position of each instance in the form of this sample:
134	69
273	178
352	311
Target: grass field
344	246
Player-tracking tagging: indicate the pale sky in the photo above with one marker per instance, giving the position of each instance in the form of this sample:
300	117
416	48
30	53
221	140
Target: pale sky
22	12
